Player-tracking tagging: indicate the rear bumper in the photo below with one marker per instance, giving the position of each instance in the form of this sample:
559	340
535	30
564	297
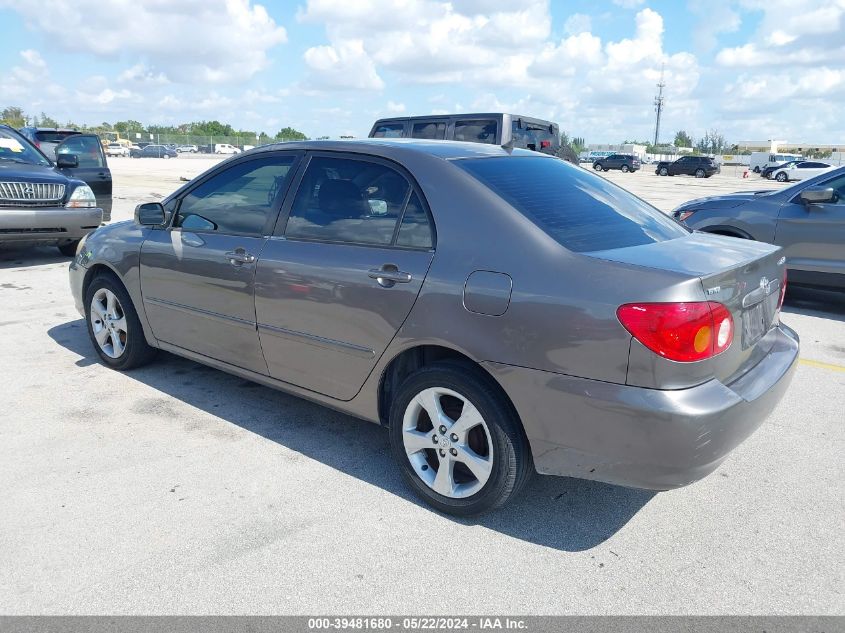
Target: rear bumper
644	438
52	224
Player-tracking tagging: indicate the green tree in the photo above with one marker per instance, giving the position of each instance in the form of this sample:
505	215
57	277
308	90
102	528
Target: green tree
579	144
711	143
44	120
682	139
290	134
13	116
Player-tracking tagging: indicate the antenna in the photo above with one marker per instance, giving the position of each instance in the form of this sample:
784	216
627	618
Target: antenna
658	104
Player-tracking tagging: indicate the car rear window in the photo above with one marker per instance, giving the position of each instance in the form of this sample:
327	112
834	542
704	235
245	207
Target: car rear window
53	136
476	131
389	130
581	211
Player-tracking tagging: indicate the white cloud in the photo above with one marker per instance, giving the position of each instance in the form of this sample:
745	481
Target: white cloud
141	74
629	4
578	23
344	65
189	40
394	107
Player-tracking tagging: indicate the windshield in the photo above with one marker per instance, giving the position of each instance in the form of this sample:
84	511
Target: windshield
17	149
581	211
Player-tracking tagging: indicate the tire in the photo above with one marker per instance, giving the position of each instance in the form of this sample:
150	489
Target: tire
597	167
69	249
757	170
664	171
782	177
166	156
625	169
495	444
123	344
699	173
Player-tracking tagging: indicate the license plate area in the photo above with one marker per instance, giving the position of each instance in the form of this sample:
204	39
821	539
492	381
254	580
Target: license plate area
758	319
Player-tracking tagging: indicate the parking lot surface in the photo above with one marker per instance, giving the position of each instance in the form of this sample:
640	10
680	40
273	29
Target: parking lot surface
180	489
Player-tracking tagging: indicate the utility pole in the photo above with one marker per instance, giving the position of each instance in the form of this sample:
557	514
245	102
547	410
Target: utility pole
658	105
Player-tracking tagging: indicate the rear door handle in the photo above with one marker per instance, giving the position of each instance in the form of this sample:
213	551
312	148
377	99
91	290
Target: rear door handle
239	256
389	275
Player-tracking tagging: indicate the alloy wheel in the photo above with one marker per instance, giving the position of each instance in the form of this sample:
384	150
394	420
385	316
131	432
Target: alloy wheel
108	323
447	442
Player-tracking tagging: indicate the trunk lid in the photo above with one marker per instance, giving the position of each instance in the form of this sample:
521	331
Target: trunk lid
743	275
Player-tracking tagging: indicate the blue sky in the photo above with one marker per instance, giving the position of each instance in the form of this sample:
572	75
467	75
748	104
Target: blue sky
751	69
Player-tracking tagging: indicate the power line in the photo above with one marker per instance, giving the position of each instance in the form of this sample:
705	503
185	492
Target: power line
658	105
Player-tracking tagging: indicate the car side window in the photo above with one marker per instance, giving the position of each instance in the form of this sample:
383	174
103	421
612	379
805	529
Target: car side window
238	199
838	185
87	150
416	228
476	131
429	130
389	130
348	200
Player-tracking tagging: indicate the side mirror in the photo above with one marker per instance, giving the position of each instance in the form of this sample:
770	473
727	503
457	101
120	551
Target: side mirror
818	195
150	214
67	161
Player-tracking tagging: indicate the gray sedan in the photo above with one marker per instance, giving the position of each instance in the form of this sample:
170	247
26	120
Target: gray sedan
807	219
500	311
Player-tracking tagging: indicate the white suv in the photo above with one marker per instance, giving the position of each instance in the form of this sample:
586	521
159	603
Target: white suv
225	148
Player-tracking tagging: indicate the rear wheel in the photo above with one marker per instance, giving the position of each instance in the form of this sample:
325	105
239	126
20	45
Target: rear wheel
757	170
699	173
113	325
781	177
458	440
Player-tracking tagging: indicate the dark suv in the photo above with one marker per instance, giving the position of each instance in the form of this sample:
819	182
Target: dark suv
47	138
624	162
698	166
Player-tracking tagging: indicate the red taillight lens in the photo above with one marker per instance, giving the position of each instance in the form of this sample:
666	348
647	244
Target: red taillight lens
545	144
684	332
782	289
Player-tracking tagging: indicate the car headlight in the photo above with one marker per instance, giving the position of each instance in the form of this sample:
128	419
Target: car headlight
82	198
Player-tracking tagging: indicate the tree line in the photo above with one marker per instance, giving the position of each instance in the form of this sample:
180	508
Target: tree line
15	117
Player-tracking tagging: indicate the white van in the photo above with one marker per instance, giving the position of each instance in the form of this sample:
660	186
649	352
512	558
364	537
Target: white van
225	148
760	160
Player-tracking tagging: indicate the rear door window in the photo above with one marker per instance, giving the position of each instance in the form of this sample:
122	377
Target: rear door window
348	200
579	210
435	130
389	130
476	131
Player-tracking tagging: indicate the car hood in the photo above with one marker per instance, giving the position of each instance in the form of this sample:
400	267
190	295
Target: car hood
697	255
26	172
725	201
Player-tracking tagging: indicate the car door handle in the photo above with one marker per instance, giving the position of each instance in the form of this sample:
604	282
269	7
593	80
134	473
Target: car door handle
239	256
389	275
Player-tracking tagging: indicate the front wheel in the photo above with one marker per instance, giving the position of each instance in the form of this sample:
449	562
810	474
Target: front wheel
113	325
756	170
699	173
458	441
597	167
664	171
781	177
625	169
166	156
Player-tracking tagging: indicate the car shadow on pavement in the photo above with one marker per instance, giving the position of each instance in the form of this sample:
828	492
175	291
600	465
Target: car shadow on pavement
15	256
827	304
557	512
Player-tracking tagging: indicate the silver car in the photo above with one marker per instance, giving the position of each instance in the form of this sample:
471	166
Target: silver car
500	311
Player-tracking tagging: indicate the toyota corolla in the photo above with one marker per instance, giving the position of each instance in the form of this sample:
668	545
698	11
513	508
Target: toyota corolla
501	312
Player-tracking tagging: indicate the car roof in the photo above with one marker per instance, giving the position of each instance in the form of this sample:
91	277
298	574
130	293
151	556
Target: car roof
398	147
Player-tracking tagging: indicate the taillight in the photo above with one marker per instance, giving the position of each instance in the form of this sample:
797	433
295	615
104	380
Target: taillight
684	332
782	289
545	144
